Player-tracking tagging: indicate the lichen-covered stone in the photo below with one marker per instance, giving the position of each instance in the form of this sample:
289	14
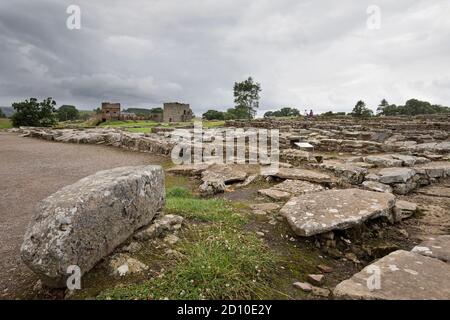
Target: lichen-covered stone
84	222
320	212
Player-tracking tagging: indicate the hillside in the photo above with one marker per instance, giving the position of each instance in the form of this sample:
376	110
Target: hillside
8	111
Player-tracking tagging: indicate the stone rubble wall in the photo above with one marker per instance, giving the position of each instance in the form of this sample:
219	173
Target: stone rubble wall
153	143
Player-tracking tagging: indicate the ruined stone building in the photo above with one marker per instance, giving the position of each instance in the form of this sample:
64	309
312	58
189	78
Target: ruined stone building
177	112
110	111
173	112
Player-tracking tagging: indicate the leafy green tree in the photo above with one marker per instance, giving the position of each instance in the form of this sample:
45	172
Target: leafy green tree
156	110
236	113
412	107
34	113
389	110
360	110
283	112
213	115
68	112
269	114
2	115
246	97
383	104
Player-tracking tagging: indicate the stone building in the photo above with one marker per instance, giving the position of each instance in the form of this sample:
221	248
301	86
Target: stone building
110	111
177	112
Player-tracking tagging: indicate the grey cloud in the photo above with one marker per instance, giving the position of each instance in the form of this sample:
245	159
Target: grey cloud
315	54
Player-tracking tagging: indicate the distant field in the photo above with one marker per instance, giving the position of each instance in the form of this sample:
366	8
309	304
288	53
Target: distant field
140	126
5	123
129	123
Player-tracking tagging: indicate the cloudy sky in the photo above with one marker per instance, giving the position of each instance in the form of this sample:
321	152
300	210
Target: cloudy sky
306	54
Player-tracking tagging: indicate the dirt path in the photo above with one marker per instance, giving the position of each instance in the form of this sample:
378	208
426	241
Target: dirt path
30	170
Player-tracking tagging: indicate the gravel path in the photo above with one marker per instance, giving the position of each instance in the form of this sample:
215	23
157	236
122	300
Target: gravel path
30	170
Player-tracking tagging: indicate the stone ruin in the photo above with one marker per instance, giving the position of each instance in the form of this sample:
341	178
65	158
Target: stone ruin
356	173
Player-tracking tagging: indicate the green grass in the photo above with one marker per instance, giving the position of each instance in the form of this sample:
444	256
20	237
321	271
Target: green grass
129	123
219	259
5	123
178	192
139	130
180	201
212	124
217	263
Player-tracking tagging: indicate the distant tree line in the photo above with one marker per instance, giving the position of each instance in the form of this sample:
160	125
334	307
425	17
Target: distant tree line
144	112
2	115
283	112
412	107
33	113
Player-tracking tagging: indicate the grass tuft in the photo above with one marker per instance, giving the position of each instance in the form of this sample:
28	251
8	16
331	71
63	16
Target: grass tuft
178	192
218	263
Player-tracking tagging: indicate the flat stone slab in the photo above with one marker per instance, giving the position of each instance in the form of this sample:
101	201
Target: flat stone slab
377	186
348	170
225	173
384	161
435	169
297	187
395	175
189	169
435	191
320	212
403	276
303	174
436	247
404	209
275	194
289	188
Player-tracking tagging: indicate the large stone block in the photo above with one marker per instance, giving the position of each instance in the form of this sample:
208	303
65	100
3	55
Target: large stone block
302	174
403	275
395	175
323	211
84	222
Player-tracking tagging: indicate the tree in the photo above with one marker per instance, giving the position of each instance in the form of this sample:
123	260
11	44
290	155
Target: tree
2	115
236	113
156	110
213	115
283	112
67	112
246	97
34	113
331	114
360	110
383	104
412	107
